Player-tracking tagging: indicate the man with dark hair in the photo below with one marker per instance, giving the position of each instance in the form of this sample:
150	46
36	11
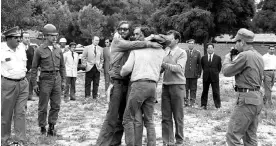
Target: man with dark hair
269	74
144	66
248	69
192	73
49	58
30	54
211	66
71	59
92	58
14	88
112	129
173	91
106	56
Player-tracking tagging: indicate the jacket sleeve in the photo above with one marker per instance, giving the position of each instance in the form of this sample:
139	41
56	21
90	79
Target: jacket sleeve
35	65
102	58
231	68
180	64
199	69
84	56
219	64
62	68
121	45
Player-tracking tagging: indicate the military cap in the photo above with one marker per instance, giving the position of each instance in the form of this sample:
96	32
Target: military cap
190	40
244	34
15	31
72	43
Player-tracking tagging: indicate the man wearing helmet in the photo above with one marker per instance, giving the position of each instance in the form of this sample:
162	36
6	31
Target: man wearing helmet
62	43
49	58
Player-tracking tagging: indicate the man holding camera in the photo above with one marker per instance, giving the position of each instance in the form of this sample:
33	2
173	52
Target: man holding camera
269	73
248	69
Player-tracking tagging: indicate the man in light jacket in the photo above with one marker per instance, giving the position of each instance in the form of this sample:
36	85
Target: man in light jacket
71	59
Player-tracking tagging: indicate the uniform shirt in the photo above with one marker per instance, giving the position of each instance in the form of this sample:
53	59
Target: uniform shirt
13	63
269	61
248	69
119	54
89	58
174	73
71	64
144	64
47	60
193	64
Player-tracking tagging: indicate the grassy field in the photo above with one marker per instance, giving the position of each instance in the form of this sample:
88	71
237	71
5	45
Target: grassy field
80	121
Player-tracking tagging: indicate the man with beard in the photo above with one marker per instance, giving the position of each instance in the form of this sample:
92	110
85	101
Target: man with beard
112	130
49	58
144	66
14	88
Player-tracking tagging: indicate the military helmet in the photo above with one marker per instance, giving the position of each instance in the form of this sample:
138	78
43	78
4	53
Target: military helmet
50	29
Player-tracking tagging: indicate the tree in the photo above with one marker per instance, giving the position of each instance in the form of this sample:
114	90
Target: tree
60	16
265	19
91	21
15	13
203	19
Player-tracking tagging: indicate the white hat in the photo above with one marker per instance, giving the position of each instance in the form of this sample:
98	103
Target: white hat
62	40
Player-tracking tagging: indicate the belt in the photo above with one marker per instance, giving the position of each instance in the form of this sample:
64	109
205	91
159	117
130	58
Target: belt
120	81
270	70
246	89
16	80
50	71
145	80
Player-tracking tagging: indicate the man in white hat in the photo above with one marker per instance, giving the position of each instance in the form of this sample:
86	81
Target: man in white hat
248	69
62	43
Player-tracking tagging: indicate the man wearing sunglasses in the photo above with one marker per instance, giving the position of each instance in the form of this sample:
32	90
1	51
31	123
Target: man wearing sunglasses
14	88
112	130
49	58
248	69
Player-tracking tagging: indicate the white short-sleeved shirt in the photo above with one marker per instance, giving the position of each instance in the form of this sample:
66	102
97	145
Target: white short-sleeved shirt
13	63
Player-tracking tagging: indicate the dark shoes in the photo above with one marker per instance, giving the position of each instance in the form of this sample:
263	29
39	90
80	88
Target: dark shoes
204	107
51	130
43	130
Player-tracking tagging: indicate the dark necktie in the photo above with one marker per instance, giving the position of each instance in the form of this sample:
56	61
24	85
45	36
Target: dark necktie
95	51
72	55
210	59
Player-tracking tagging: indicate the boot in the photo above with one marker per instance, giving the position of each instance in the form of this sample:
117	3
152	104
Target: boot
51	130
43	130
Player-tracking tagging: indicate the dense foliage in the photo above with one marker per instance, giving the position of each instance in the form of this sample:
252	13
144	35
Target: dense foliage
79	20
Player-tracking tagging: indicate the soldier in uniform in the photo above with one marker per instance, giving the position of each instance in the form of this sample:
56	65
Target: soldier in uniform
192	73
248	69
14	88
49	58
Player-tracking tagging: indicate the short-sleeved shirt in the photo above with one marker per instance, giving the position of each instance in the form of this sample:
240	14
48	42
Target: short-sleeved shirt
13	63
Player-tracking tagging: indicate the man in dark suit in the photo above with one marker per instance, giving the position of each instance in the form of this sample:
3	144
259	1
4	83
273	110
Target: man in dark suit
30	55
192	72
211	65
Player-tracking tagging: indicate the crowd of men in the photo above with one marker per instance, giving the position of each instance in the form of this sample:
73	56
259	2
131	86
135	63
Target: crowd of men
131	70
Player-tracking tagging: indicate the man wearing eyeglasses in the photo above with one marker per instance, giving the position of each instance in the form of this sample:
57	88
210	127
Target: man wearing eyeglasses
14	88
106	56
49	58
269	73
112	130
248	69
